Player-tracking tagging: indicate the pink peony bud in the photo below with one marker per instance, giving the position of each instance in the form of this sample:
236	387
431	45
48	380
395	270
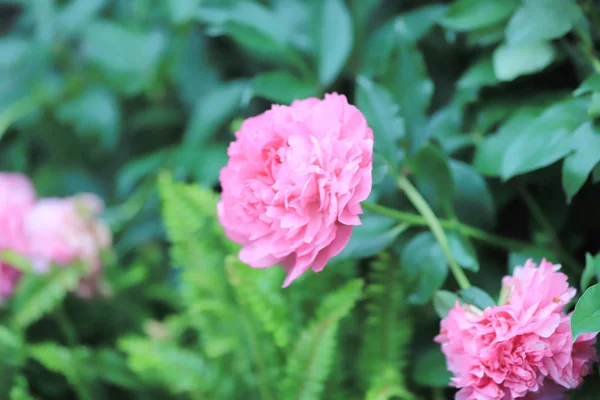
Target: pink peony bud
17	196
294	182
522	349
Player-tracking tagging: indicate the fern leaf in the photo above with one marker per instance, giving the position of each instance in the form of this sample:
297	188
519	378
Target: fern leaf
310	361
38	295
389	385
20	389
388	328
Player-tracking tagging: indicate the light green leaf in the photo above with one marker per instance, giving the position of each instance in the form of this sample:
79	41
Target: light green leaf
443	302
577	166
586	317
433	176
430	369
589	85
538	20
463	251
546	140
381	113
472	200
182	11
281	87
77	14
594	107
415	24
372	236
510	62
591	270
480	74
334	40
213	109
95	112
477	297
468	15
424	263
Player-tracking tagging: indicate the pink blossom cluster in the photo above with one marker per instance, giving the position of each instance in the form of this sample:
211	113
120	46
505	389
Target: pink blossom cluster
521	349
294	182
51	231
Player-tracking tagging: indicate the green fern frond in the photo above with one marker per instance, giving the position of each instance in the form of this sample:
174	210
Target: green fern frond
388	328
389	385
38	295
180	370
310	361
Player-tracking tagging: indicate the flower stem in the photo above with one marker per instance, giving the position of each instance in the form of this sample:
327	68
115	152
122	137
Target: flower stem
436	228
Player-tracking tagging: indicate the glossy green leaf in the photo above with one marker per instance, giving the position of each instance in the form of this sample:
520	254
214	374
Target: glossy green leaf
472	200
334	40
468	15
512	61
430	369
477	297
546	140
538	20
591	270
433	176
443	302
381	113
281	87
586	317
577	166
463	251
424	264
213	109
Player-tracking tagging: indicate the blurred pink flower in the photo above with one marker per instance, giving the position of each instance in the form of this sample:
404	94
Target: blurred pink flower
294	182
63	230
522	349
17	196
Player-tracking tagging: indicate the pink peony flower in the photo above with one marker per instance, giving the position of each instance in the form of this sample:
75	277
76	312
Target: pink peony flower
63	230
17	196
522	349
294	182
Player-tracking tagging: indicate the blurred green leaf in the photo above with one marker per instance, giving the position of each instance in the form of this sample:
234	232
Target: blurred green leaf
94	112
382	116
183	11
281	87
577	166
430	369
512	61
591	271
443	302
586	317
334	40
487	36
415	24
213	109
538	20
463	251
77	14
480	74
589	85
433	176
424	264
546	140
472	199
467	15
477	297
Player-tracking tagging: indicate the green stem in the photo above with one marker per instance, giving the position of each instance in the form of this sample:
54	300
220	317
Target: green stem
16	111
467	230
546	225
436	228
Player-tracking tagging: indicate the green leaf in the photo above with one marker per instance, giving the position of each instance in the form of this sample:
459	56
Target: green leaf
381	113
430	369
546	140
433	176
182	11
310	361
37	295
594	108
213	109
281	87
77	14
94	112
424	264
334	40
472	200
480	74
589	85
20	390
373	235
512	61
490	153
586	317
443	302
463	251
518	259
591	270
468	15
538	20
577	166
413	25
477	297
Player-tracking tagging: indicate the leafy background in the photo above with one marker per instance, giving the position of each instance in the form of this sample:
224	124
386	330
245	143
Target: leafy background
487	106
